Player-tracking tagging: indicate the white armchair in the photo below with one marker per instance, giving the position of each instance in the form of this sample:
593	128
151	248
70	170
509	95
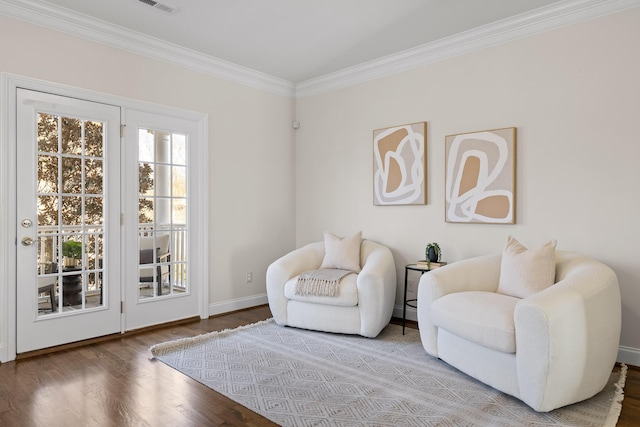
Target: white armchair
550	349
366	299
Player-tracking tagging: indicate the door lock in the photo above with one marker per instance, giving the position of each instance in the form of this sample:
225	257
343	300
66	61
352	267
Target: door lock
27	241
26	223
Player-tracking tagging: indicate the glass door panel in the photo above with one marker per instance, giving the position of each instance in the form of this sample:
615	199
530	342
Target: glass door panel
68	207
70	184
162	214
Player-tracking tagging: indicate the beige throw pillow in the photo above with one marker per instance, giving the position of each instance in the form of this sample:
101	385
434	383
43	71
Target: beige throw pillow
342	253
523	271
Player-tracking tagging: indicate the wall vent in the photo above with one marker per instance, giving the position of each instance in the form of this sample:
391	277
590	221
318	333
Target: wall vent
160	6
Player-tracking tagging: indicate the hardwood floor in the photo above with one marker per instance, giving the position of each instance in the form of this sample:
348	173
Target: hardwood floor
113	383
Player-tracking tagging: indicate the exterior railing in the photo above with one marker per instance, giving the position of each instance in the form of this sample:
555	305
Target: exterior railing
50	255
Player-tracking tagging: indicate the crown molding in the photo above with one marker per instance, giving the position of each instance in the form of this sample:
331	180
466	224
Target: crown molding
546	18
99	31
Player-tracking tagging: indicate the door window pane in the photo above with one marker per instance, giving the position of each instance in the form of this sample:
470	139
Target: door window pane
48	133
179	177
94	134
93	177
48	174
71	175
71	137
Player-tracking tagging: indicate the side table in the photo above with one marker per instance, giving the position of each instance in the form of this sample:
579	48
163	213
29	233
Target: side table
413	303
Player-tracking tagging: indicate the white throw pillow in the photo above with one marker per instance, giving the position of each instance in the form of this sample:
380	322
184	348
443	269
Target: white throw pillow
523	271
342	253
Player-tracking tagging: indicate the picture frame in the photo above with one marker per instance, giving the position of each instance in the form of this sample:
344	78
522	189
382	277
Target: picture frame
480	177
399	165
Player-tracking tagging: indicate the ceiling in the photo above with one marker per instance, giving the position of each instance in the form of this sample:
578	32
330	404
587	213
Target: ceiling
297	40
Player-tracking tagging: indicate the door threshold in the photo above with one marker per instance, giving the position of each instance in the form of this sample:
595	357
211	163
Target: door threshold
72	345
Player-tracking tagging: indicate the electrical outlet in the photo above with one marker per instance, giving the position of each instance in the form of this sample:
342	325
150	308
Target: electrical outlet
249	276
411	285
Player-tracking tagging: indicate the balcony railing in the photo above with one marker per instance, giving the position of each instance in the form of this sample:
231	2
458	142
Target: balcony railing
51	260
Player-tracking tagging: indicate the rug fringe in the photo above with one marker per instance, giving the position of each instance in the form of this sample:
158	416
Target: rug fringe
154	349
616	405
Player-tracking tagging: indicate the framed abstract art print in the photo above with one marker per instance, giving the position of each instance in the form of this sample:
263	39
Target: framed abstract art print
480	177
399	165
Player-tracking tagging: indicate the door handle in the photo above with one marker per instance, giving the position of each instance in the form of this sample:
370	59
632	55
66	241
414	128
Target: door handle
27	241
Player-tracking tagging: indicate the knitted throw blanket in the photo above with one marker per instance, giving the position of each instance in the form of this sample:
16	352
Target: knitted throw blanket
323	282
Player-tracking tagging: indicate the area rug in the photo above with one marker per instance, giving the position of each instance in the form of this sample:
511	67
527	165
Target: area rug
296	377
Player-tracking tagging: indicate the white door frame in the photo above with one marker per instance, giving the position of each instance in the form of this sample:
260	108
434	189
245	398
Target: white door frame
8	236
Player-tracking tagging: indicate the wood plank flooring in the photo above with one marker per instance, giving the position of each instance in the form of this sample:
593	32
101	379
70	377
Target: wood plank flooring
113	383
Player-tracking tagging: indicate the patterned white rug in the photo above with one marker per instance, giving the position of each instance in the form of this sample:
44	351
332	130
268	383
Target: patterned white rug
296	377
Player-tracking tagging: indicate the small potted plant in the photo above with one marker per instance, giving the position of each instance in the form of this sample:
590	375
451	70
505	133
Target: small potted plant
72	252
432	253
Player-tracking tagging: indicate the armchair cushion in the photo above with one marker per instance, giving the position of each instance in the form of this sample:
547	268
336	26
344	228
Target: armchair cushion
524	272
342	252
485	318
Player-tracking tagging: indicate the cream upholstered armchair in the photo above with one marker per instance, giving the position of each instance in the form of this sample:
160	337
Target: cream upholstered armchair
365	301
549	347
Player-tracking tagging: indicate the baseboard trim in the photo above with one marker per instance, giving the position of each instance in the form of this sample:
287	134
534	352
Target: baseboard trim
629	355
237	304
412	314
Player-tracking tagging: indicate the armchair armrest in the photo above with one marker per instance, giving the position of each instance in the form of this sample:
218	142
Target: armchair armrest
376	288
568	334
303	259
474	274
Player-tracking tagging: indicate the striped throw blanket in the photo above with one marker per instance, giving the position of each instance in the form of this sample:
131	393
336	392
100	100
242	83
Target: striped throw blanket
323	282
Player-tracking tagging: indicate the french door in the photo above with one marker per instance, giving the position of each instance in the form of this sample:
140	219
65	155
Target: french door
68	220
108	234
162	231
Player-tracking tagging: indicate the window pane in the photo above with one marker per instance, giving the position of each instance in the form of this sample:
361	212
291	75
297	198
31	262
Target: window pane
71	175
71	136
94	251
93	176
179	211
48	251
93	138
145	179
71	210
163	180
179	152
146	144
93	210
179	187
47	133
47	210
47	174
163	147
145	210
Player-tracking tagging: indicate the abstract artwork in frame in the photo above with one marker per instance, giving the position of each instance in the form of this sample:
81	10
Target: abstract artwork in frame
480	177
399	165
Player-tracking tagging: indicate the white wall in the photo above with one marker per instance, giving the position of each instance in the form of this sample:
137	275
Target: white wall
250	135
574	96
572	93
